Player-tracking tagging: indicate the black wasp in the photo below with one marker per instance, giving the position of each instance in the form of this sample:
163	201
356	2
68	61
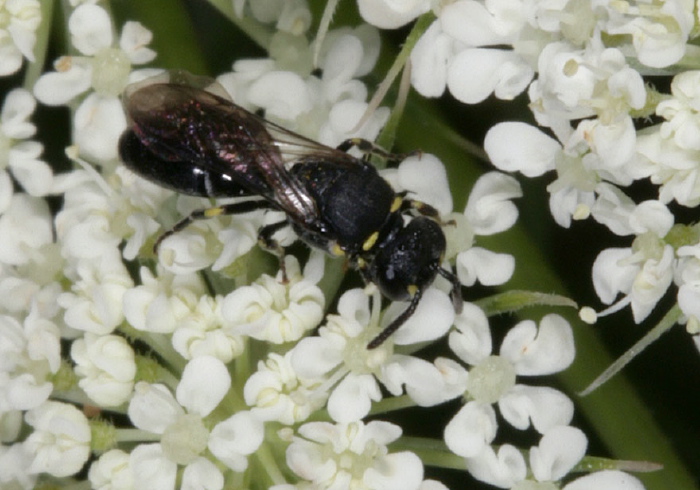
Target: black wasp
200	143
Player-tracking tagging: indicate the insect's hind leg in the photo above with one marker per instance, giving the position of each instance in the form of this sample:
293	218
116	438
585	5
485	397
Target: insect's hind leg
369	148
200	214
266	241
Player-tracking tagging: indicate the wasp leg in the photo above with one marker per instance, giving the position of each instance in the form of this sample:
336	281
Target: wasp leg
422	208
456	292
398	321
369	148
271	245
234	208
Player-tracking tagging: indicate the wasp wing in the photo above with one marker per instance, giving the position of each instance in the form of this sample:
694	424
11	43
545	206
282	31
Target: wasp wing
180	123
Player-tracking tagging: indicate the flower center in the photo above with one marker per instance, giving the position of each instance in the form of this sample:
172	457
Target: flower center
110	71
185	439
534	485
489	380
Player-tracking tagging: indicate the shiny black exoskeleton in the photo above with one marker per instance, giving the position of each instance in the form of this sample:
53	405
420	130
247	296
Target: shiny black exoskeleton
196	142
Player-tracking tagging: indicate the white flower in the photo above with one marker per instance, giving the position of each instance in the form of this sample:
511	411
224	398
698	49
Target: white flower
681	111
60	442
15	461
576	83
204	332
326	109
560	448
277	392
18	154
276	312
179	421
340	352
642	272
454	53
526	350
353	456
99	119
489	210
659	31
606	480
669	152
111	472
106	367
29	354
237	437
95	301
20	20
424	177
26	229
291	16
390	14
162	301
578	188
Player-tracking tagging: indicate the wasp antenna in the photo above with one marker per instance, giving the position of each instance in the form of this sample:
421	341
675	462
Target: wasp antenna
398	321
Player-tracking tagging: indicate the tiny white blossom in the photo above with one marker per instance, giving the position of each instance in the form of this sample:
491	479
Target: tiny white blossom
353	456
204	332
19	155
291	16
388	14
26	228
106	367
560	448
489	210
94	303
340	352
526	350
659	31
162	300
277	392
103	67
60	442
327	109
178	420
30	352
276	312
643	272
15	461
20	20
111	471
235	438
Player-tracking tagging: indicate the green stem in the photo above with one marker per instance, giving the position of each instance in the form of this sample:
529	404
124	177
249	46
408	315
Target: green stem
514	300
35	68
388	134
136	435
667	322
261	34
432	452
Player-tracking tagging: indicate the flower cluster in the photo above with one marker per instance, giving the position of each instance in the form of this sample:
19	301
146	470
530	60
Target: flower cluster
206	366
582	64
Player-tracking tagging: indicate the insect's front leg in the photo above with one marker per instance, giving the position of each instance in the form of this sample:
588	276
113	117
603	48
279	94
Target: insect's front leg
200	214
369	148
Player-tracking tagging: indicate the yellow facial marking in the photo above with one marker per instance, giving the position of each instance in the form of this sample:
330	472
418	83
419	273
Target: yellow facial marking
336	250
396	204
212	212
369	243
412	290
